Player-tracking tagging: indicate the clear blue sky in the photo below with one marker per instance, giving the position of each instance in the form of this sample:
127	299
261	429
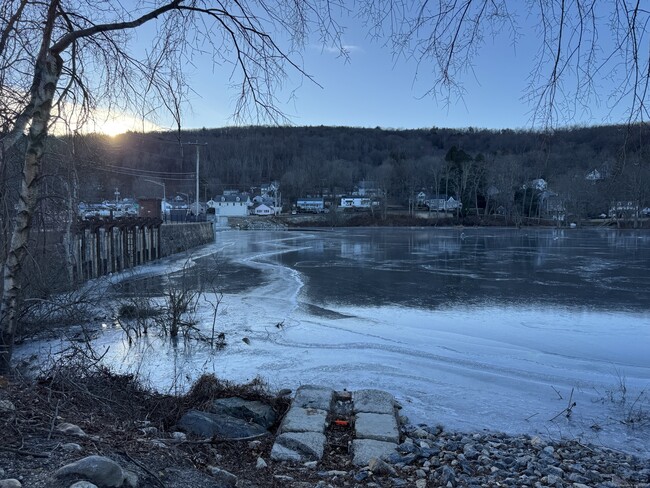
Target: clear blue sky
372	89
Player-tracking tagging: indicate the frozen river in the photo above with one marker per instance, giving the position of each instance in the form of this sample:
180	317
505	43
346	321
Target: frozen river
473	328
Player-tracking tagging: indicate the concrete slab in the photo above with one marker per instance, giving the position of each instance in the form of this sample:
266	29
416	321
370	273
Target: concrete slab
304	420
377	426
373	401
311	396
310	445
364	450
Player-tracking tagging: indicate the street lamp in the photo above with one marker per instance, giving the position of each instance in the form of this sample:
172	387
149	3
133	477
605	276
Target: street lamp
161	184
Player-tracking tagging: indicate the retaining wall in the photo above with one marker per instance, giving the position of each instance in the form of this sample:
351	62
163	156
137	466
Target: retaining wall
175	238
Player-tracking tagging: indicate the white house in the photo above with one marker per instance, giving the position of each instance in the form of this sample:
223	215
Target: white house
232	205
263	210
356	203
443	204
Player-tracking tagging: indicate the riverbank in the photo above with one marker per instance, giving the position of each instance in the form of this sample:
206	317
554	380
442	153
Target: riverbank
416	219
69	414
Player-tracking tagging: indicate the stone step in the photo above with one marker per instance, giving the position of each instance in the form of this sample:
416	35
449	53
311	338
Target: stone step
376	429
302	433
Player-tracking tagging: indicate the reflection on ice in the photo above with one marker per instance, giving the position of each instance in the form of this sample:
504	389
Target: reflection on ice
492	331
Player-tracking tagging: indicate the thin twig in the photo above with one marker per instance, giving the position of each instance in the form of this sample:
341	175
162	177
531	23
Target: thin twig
558	393
215	440
24	453
56	414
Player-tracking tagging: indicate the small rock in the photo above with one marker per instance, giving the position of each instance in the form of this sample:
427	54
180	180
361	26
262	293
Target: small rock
381	468
448	476
419	434
336	472
310	464
282	477
83	484
261	464
158	443
421	484
179	436
551	479
361	475
70	429
226	478
10	483
6	407
71	447
254	445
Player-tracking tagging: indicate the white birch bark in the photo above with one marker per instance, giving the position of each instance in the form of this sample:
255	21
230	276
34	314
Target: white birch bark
46	74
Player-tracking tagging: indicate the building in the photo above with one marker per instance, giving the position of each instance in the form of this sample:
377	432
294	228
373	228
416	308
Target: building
310	205
367	188
230	205
356	203
262	209
443	204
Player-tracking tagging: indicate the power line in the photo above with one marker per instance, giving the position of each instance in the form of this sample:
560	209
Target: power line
150	172
126	172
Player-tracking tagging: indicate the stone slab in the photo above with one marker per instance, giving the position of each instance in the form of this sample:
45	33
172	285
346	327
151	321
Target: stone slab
373	401
304	420
310	445
311	396
376	426
364	450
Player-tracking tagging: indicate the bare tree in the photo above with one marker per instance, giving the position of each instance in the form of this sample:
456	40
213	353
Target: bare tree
60	60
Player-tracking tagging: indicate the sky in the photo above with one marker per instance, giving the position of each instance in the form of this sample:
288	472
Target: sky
371	88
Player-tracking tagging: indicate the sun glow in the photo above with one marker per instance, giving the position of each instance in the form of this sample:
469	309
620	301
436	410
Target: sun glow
103	121
114	125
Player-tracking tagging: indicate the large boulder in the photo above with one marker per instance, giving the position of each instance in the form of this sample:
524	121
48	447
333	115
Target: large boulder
250	411
206	424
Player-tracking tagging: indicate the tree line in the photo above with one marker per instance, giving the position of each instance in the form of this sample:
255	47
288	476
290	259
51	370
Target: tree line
586	167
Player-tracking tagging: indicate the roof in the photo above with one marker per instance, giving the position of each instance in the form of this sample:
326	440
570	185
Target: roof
230	198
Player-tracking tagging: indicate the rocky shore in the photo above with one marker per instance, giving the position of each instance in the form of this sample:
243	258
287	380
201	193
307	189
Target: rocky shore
52	437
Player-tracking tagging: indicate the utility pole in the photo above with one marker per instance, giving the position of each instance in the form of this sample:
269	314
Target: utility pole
197	180
197	172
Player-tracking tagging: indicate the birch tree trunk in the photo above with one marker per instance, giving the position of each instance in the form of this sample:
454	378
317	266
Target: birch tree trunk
46	76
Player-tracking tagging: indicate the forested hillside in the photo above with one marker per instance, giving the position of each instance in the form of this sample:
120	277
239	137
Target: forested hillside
486	169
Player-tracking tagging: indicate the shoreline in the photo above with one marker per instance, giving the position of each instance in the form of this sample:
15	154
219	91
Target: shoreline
364	219
66	416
